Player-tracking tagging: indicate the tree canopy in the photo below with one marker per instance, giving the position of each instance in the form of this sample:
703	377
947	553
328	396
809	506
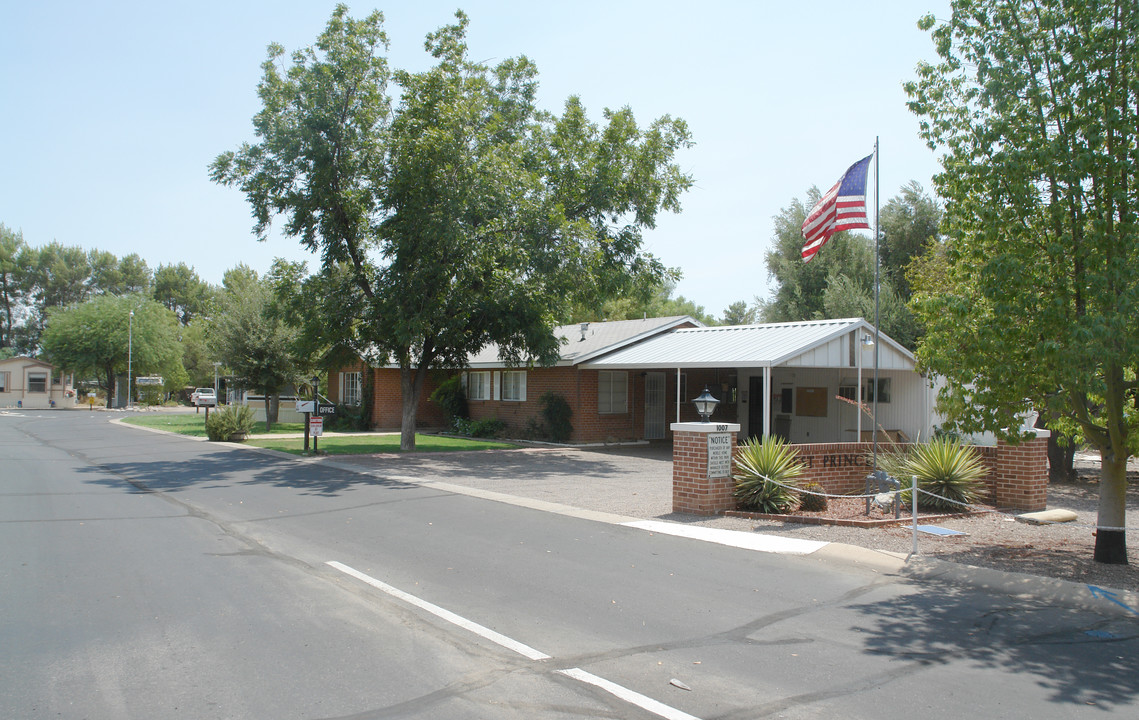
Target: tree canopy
101	337
1035	108
251	335
179	288
462	213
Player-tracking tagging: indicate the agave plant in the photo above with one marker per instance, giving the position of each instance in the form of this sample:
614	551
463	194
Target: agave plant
951	474
758	463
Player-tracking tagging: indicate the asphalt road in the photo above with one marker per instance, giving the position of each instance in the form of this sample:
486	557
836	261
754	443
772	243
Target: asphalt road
152	576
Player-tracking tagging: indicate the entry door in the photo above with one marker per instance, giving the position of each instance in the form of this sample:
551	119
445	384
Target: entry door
654	406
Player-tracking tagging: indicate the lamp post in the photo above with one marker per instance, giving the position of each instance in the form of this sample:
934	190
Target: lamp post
705	404
130	354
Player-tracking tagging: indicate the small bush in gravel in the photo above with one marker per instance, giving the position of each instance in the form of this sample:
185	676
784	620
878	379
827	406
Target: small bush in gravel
813	502
758	464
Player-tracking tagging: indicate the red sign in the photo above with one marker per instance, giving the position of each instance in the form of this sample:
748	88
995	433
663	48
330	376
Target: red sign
316	426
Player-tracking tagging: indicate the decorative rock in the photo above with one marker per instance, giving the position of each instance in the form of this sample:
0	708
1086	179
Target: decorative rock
1047	517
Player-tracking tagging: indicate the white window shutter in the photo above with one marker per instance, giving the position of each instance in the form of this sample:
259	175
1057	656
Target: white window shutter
497	385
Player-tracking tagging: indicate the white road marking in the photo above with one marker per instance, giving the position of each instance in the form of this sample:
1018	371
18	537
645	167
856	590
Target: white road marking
734	538
480	630
629	696
624	693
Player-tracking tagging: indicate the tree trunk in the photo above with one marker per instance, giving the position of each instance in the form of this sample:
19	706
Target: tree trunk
110	387
1061	458
411	385
1111	537
274	407
268	420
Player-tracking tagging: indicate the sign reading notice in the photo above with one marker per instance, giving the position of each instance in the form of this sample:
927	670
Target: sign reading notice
719	455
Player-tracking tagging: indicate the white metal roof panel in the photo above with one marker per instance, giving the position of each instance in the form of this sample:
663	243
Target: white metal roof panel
815	343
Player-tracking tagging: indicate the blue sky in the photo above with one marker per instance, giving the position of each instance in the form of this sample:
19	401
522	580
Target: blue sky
110	113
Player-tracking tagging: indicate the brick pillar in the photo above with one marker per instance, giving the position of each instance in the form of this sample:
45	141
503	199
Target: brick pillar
701	476
1020	478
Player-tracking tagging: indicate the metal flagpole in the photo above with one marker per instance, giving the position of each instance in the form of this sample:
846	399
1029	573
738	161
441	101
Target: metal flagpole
877	334
877	319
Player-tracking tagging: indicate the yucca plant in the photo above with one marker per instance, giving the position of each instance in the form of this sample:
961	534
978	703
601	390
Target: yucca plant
757	463
951	474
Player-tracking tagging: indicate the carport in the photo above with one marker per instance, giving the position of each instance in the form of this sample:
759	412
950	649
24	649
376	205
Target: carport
801	381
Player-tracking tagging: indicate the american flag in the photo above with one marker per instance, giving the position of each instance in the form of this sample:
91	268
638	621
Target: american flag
842	208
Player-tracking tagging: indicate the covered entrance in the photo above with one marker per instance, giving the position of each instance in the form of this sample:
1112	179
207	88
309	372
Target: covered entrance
809	382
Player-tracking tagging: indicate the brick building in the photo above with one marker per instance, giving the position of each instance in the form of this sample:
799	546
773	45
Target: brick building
627	380
607	406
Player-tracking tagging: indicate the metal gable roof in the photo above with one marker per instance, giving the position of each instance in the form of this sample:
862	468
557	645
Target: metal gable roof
742	346
583	341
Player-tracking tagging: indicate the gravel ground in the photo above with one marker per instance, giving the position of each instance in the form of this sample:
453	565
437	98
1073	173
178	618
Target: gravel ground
637	482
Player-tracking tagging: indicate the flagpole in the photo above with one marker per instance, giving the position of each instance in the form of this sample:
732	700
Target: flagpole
877	288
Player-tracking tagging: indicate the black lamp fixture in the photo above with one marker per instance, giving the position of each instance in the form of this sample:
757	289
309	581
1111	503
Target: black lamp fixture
705	404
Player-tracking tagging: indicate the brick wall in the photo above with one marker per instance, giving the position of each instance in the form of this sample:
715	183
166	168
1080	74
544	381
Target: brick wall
1020	480
1017	479
692	490
387	402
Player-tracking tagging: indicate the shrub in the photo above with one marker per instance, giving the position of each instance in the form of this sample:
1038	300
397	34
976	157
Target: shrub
451	399
350	417
488	428
759	463
811	502
556	413
232	419
951	472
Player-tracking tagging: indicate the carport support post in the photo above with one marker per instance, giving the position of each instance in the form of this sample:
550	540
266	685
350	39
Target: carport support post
703	457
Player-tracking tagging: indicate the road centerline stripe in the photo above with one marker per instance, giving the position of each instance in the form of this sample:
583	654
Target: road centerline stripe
480	630
630	696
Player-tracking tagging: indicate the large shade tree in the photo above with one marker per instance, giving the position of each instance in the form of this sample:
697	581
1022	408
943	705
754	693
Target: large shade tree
463	213
1034	106
110	335
249	332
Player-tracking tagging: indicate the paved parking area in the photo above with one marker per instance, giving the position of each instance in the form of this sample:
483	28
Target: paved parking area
625	480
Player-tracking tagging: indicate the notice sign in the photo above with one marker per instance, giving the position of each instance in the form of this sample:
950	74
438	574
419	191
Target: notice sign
316	426
719	455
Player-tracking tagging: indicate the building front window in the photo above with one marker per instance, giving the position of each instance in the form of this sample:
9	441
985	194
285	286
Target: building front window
37	382
478	385
612	392
350	388
514	385
4	382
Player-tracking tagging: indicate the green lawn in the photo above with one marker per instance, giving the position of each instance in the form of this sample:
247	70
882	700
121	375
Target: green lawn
367	444
195	424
